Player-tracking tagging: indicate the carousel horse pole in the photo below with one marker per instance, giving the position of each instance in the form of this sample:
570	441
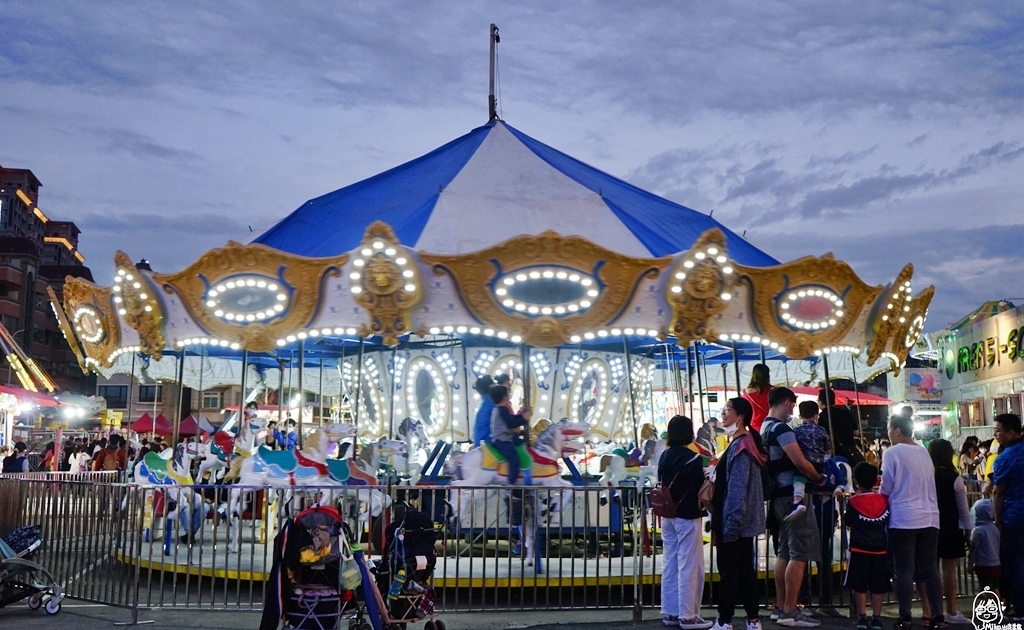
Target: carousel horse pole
480	467
308	467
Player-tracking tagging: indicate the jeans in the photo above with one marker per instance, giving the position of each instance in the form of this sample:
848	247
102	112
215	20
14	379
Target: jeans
682	578
1011	556
737	579
915	558
508	451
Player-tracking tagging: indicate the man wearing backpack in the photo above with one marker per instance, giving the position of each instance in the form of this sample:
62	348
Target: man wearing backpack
17	462
799	539
112	457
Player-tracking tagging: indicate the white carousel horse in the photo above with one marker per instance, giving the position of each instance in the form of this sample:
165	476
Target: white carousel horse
244	443
482	466
307	467
409	429
212	458
175	470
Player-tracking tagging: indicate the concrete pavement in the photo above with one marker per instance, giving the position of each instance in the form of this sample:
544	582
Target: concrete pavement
80	616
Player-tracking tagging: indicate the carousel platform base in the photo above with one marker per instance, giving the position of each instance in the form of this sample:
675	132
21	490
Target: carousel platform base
211	559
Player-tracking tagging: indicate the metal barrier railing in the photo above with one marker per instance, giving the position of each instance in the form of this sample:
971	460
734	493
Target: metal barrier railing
499	548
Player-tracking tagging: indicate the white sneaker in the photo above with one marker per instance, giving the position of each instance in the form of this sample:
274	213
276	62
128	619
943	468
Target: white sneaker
957	618
775	613
694	623
754	625
718	625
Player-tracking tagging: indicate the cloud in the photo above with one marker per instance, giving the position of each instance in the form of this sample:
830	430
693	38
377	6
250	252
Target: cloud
143	147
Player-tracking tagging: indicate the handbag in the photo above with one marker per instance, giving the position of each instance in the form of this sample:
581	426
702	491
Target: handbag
348	573
706	494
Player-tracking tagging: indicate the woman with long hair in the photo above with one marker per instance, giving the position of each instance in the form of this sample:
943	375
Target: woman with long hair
738	515
756	394
955	523
681	470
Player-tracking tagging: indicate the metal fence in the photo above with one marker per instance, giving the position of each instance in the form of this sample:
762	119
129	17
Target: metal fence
498	548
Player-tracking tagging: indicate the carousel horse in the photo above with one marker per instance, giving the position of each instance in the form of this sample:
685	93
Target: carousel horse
482	466
158	469
212	458
244	443
409	429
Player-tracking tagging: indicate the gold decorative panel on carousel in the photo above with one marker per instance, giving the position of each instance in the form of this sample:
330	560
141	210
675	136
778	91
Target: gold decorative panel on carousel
808	304
546	288
252	295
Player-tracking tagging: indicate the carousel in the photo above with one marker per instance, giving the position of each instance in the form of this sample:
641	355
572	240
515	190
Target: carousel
493	254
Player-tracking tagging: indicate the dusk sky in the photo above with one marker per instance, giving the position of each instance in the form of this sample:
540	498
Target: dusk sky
885	132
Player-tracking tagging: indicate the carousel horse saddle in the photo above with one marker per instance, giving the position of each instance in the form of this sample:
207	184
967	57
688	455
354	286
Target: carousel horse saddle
528	459
161	471
346	472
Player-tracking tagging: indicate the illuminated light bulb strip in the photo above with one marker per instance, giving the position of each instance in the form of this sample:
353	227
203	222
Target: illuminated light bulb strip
764	341
820	324
82	313
440	387
604	333
40	375
120	351
591	366
832	349
398	365
490	332
617	367
482	363
19	369
449	366
123	278
324	332
899	302
572	366
380	247
916	326
711	254
208	341
255	282
346	375
541	366
593	292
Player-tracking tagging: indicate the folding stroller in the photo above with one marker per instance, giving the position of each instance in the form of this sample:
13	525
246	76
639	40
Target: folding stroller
22	578
406	570
306	585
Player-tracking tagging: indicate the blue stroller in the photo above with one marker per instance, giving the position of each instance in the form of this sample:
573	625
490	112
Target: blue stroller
21	578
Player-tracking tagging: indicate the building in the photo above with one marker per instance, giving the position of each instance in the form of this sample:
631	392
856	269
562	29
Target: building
36	252
982	373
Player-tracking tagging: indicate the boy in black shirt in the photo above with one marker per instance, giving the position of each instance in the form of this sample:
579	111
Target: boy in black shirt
869	569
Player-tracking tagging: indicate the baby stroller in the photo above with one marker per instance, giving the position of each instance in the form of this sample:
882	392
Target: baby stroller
22	578
406	570
306	586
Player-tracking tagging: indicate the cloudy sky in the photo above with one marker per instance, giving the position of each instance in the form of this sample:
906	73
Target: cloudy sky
885	132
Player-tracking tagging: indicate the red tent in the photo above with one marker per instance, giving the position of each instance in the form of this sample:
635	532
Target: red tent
145	424
846	397
188	426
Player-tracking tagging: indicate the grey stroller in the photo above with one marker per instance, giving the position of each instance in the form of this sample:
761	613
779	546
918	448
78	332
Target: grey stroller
21	578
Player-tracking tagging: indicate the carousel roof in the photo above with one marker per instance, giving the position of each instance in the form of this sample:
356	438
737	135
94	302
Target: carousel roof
491	184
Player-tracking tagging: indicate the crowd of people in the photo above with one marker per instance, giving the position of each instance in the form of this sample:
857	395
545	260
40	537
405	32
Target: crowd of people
910	523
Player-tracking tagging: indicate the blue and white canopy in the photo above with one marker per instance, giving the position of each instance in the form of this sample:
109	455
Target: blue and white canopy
490	185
